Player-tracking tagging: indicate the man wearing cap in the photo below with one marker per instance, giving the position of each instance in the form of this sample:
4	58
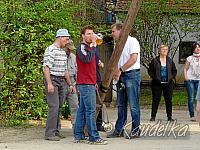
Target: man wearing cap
72	98
56	75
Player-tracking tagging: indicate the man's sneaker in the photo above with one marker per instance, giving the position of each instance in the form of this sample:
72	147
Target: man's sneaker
80	141
192	119
60	135
52	138
115	134
98	142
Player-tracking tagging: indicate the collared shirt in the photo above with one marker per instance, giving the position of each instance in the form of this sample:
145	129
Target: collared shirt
56	59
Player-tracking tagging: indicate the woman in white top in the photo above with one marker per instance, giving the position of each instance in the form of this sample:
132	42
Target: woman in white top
192	77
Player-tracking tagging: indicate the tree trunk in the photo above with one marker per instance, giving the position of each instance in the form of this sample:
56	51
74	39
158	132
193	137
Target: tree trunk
127	26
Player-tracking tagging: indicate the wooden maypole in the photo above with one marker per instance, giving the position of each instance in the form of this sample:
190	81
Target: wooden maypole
126	29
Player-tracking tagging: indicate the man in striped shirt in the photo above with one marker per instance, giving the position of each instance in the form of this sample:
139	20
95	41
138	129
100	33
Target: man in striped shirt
56	76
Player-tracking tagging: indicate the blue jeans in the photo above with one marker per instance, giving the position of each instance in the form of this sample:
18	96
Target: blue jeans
86	113
129	93
191	87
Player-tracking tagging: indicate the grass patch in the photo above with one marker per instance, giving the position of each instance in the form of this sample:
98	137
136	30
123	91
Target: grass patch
179	97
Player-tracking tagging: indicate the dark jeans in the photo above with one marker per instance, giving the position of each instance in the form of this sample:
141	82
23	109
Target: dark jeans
99	120
157	89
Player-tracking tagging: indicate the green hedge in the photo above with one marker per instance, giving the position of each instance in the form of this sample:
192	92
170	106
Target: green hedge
27	28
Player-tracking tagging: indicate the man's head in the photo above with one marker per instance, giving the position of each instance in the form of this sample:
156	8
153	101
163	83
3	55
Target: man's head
116	29
62	37
87	32
69	47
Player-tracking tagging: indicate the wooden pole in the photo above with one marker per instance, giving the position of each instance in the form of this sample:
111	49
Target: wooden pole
126	29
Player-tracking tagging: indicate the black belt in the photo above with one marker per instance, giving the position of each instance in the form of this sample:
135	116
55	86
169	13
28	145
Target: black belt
134	70
59	77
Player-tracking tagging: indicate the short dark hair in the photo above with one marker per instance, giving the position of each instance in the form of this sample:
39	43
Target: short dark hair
88	27
194	46
117	25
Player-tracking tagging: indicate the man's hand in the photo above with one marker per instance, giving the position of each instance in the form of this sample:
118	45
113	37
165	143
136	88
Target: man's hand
72	89
93	39
186	78
101	64
117	75
50	88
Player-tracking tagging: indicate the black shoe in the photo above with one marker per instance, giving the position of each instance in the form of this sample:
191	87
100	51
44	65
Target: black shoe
132	135
152	119
115	134
170	119
101	129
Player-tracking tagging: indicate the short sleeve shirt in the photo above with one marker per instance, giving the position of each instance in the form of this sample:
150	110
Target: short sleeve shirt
193	73
132	46
56	59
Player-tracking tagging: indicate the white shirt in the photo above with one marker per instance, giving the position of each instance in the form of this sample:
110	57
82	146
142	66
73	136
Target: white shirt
194	69
132	46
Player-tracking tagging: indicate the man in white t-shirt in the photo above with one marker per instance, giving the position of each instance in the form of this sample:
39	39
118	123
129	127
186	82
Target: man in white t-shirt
128	86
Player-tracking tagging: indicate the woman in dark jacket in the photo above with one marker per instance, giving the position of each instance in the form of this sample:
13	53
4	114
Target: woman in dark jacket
163	71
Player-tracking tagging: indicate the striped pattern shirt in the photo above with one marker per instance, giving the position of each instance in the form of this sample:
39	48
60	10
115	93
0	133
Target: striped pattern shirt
56	59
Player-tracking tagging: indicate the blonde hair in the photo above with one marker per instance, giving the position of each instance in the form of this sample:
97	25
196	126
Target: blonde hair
163	46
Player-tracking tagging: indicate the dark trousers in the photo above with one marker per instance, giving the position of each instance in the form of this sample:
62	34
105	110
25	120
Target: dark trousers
55	101
157	89
99	120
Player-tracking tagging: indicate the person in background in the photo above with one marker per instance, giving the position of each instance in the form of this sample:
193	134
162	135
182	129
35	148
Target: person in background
86	85
163	71
192	77
99	64
127	74
56	75
72	98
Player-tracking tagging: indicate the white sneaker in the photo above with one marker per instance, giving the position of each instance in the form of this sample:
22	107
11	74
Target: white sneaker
192	119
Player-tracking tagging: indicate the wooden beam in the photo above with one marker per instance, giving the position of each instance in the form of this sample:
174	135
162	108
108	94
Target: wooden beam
126	29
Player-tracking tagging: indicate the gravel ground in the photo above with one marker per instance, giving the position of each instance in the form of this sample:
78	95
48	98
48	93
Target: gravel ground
32	138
